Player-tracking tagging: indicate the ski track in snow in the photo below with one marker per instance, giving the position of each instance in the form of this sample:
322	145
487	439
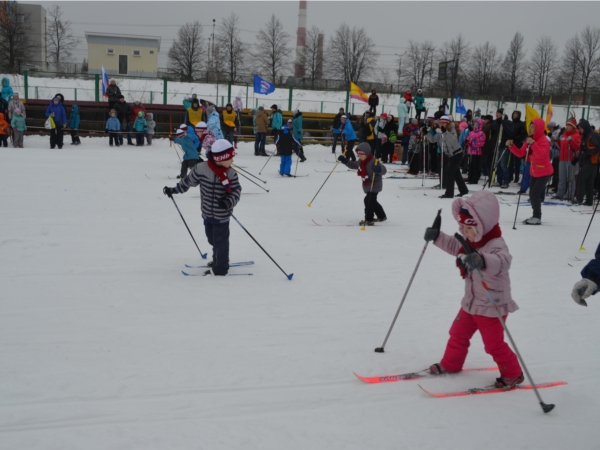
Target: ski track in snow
105	344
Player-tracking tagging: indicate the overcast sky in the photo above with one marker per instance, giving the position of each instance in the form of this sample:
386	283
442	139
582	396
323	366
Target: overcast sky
389	24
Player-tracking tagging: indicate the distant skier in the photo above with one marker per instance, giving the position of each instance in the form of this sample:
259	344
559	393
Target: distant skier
373	102
590	281
220	191
286	144
477	219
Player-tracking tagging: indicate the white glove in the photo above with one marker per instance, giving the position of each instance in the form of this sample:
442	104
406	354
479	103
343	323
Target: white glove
569	138
438	131
582	290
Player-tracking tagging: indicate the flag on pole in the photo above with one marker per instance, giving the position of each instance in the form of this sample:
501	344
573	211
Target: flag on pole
357	94
460	106
530	114
262	86
104	83
549	114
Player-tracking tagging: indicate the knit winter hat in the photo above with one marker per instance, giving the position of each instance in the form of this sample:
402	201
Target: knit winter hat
180	132
296	111
430	116
344	117
137	100
465	218
274	107
500	110
222	150
141	113
363	149
200	125
210	109
18	110
261	108
384	116
290	121
183	126
476	125
444	120
572	122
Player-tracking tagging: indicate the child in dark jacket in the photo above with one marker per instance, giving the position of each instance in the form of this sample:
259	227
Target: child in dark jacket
590	280
370	173
286	144
113	128
190	157
74	125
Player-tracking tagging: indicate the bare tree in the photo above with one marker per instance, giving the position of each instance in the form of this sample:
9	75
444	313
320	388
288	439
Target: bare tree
15	45
231	46
514	62
543	65
569	72
484	67
419	58
312	58
350	53
456	53
272	49
589	56
59	38
187	52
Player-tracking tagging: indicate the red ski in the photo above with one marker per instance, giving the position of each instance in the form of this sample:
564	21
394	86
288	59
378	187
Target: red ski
414	375
491	390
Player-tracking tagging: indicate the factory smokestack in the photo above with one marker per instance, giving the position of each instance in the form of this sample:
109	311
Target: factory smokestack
300	41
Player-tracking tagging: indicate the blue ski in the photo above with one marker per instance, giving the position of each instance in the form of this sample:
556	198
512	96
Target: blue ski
228	275
235	264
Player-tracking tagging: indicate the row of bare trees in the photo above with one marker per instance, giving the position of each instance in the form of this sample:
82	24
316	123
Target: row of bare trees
483	70
16	45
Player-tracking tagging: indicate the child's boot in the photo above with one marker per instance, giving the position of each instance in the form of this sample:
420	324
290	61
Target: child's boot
508	383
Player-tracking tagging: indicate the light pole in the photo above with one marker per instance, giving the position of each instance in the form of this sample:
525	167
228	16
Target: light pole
400	67
213	45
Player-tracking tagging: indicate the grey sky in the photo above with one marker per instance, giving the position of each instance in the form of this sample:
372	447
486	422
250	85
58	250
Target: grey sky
390	24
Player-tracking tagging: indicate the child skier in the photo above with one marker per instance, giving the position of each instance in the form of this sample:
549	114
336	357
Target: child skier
220	191
74	125
201	131
190	157
372	182
19	127
477	219
286	143
150	126
475	142
590	280
113	128
140	129
4	130
414	150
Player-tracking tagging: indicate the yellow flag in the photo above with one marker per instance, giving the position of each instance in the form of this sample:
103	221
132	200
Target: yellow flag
549	114
357	93
530	114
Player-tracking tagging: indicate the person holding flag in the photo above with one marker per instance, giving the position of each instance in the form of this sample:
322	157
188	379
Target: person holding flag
110	90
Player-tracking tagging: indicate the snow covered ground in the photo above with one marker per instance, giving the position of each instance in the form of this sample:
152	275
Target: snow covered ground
105	344
151	91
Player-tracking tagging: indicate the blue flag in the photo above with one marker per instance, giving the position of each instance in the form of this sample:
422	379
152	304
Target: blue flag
460	106
262	87
104	82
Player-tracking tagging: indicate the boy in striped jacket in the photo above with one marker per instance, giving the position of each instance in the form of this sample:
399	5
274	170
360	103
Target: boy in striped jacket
220	191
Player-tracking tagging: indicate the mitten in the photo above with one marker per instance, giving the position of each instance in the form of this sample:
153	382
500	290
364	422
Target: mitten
431	234
582	290
342	159
473	261
169	191
377	169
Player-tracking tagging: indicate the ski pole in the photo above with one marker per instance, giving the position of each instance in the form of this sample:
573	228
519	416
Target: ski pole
590	224
520	192
170	130
254	176
297	160
252	181
269	159
289	277
364	227
436	224
545	407
188	228
175	148
332	170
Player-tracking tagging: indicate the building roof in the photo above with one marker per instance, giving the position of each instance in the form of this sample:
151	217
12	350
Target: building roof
123	36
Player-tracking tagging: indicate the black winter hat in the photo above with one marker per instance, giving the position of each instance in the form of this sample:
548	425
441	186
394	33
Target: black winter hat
500	110
274	107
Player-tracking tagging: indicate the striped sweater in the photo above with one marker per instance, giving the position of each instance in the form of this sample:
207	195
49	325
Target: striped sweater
212	190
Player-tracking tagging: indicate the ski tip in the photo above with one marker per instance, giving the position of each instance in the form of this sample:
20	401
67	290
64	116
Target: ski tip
204	255
364	379
289	277
186	274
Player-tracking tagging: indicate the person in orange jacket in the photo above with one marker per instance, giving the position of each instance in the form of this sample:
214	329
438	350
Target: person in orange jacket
4	127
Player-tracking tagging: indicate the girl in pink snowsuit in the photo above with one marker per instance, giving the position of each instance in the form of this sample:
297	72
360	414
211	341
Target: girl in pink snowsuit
477	218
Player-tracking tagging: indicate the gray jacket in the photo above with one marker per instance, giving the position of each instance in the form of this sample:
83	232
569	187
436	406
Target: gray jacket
212	190
150	123
448	142
378	184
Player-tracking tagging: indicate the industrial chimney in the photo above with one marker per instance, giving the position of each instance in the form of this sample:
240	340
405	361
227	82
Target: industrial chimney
299	71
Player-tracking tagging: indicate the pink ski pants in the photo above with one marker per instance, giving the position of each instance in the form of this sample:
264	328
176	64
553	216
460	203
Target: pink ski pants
462	330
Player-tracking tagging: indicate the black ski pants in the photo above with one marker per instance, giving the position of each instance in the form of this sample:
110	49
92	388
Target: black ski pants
453	174
536	194
56	137
372	207
187	164
585	183
217	235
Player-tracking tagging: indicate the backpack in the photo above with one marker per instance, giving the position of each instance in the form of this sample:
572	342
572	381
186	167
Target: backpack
392	137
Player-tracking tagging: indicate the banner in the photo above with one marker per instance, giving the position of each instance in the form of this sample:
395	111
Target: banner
262	86
357	94
460	106
530	114
104	83
549	114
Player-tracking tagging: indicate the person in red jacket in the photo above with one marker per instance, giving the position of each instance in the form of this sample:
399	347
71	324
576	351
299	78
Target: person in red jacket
569	144
537	151
408	97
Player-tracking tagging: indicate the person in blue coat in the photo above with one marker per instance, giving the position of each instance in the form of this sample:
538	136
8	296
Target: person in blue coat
190	156
57	111
113	128
7	90
74	125
590	280
349	135
140	127
214	122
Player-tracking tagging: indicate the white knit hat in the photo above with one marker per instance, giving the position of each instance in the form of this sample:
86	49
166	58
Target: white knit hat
222	150
180	132
183	126
201	125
